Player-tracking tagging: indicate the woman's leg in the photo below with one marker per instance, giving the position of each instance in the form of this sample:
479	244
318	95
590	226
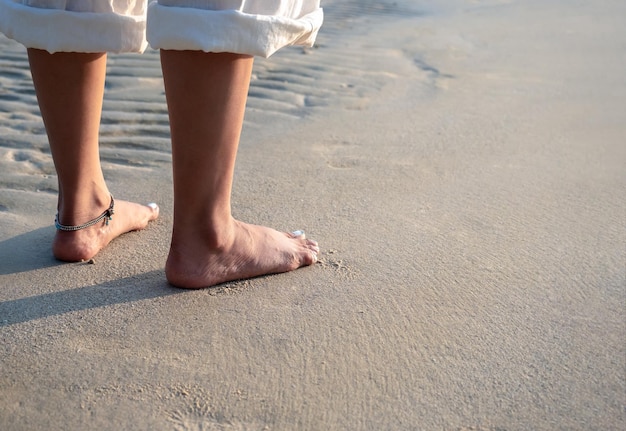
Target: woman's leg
70	88
206	96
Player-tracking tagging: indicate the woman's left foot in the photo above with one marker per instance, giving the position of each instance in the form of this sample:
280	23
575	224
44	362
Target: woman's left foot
83	244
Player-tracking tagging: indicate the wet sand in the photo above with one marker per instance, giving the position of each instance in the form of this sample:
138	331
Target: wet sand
462	164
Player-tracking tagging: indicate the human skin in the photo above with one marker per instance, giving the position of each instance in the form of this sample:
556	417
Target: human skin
206	95
70	89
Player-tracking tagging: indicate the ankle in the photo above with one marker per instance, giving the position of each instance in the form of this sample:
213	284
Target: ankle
211	235
78	208
106	216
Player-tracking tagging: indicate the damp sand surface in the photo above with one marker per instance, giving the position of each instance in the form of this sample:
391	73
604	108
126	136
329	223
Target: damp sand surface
462	164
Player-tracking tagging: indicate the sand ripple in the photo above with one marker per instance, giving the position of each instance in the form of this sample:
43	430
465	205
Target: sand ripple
340	72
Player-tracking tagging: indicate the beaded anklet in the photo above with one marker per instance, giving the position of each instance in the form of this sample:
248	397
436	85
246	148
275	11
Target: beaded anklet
107	215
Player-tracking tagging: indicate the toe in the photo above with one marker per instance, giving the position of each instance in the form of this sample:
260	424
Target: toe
312	245
309	258
298	234
154	208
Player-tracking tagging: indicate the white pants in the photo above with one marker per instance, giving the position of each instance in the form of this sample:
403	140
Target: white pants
254	27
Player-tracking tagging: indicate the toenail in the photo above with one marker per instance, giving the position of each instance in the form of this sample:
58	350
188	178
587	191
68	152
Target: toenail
297	233
153	205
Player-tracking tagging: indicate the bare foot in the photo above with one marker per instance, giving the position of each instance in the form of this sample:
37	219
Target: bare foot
86	243
248	251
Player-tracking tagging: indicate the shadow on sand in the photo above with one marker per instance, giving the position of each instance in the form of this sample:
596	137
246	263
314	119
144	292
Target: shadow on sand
131	289
31	251
27	252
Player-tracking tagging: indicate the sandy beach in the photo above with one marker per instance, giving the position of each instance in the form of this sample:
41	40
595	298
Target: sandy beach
462	164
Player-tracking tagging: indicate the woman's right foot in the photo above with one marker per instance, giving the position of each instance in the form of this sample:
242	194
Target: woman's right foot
245	251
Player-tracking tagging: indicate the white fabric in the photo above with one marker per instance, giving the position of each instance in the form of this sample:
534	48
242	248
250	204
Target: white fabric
63	25
255	27
259	28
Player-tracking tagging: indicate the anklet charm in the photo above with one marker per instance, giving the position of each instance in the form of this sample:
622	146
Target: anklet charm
107	215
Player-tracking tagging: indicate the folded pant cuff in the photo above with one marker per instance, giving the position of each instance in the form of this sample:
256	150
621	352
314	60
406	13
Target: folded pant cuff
59	30
179	28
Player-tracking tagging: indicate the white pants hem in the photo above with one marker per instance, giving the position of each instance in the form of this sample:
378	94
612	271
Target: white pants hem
165	27
179	28
56	30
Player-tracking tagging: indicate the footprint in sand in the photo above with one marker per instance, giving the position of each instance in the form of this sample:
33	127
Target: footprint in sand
195	421
339	154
